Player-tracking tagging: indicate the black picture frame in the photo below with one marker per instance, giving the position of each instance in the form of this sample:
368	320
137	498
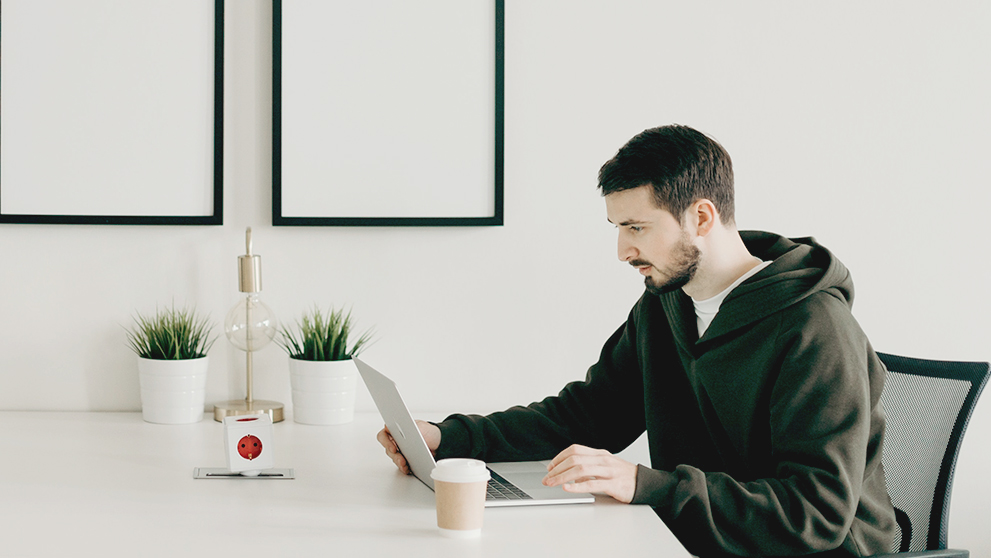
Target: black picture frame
279	216
213	216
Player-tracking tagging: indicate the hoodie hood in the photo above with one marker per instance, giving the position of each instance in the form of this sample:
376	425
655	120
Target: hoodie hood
800	268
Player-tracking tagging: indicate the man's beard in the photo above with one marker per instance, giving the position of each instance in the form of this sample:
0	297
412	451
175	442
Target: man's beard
682	270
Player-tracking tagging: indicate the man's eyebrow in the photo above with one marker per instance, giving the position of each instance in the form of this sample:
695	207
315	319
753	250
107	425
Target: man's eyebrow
628	222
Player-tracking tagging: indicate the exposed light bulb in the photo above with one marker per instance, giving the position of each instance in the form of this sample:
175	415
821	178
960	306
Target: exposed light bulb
250	324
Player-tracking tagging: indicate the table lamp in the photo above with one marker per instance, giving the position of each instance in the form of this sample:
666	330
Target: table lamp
249	326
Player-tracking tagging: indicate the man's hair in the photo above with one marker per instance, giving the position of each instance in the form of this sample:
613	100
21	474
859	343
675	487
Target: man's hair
682	166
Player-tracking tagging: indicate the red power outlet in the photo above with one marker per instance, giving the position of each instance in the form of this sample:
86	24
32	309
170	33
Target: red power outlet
249	447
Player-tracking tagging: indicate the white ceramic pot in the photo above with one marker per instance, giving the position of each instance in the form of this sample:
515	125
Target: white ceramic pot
323	391
172	391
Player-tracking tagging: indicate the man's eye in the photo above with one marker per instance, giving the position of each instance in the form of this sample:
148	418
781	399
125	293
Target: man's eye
635	228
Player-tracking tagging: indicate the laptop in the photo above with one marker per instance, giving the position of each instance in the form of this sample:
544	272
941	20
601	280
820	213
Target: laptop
512	484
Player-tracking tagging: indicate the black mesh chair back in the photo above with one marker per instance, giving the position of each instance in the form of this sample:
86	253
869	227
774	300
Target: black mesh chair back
928	405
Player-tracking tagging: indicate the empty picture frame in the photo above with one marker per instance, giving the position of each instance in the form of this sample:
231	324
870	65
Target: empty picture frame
388	113
112	112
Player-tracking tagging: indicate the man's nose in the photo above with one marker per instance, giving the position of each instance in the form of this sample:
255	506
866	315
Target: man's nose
625	250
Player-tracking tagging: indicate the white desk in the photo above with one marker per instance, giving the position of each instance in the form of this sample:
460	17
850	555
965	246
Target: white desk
109	484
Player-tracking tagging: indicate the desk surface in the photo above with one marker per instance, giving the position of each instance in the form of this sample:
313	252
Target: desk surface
109	484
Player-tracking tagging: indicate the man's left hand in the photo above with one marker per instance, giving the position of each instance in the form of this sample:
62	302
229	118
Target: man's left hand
583	469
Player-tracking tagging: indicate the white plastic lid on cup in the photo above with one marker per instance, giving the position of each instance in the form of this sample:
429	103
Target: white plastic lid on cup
460	470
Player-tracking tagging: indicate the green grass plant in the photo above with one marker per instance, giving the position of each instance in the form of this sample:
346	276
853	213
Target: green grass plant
170	334
319	336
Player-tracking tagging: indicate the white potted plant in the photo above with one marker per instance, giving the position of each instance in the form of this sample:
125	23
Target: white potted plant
322	376
172	350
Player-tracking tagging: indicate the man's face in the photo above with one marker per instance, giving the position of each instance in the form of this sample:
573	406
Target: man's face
652	240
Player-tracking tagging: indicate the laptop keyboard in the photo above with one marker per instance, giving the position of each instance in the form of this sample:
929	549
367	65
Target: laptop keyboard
501	489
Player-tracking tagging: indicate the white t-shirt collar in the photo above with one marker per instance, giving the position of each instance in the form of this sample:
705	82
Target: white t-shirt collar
706	310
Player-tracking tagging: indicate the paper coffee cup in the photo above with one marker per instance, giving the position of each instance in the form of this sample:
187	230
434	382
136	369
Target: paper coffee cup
460	485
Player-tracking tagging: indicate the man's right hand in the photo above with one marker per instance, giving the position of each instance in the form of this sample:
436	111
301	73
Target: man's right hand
431	435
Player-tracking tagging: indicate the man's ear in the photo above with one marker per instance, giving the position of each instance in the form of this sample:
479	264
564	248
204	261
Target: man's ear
702	216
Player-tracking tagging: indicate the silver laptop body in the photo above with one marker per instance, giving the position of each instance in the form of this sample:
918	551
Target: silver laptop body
524	477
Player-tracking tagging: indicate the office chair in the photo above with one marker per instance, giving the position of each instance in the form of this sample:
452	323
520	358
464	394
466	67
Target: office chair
927	404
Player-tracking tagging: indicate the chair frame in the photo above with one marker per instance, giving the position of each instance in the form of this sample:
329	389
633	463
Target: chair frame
976	373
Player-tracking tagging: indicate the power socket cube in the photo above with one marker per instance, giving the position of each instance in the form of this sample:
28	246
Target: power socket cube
248	442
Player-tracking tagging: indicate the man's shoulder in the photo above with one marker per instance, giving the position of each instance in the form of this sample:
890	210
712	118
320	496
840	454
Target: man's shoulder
823	305
821	317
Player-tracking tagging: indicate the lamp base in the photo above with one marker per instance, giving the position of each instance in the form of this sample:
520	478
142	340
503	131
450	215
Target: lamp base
241	407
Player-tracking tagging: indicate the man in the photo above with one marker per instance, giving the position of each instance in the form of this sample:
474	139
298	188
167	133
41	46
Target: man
758	390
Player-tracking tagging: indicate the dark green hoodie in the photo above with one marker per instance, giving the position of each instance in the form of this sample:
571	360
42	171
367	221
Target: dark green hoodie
765	434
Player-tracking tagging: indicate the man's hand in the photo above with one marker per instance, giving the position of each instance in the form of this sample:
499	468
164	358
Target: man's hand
431	435
583	469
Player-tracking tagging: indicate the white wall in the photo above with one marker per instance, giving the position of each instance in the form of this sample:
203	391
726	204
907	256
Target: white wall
865	124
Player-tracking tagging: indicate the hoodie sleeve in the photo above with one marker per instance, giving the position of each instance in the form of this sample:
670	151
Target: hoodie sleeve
820	421
603	411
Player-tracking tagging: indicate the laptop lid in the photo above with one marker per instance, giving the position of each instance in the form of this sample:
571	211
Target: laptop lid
399	421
